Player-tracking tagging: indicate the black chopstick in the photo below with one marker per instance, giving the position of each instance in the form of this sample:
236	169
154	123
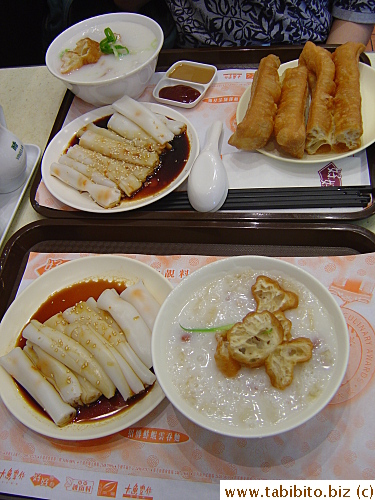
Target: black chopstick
312	192
279	198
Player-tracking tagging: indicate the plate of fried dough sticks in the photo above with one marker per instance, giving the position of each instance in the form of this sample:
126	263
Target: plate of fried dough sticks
314	109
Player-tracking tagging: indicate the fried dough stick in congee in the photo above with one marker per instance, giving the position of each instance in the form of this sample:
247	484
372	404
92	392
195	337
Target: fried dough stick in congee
290	129
281	362
257	126
86	51
321	76
347	114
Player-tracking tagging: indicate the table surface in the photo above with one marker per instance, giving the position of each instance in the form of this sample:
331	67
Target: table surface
31	98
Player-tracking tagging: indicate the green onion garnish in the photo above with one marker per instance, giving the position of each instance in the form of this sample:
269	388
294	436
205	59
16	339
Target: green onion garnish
222	328
267	332
108	44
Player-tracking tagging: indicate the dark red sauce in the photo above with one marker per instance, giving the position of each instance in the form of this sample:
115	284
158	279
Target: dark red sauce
180	93
104	407
60	301
172	162
68	297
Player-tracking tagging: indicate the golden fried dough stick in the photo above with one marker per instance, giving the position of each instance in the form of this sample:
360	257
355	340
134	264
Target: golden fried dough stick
86	51
347	113
290	129
224	361
253	339
319	129
281	362
270	296
257	126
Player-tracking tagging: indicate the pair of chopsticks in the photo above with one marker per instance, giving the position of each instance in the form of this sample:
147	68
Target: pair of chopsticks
280	198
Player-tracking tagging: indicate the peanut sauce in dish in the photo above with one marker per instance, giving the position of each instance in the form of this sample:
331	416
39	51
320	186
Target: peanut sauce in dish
58	302
192	73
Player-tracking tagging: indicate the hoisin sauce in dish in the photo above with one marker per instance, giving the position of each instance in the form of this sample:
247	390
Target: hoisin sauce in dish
180	93
58	302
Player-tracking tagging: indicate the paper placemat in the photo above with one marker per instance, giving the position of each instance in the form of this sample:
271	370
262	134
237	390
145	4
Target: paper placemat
244	169
165	456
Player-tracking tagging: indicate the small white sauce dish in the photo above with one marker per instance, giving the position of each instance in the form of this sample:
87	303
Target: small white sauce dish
197	76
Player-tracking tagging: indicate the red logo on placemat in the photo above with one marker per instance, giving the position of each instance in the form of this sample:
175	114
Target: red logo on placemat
79	485
352	290
50	264
11	475
107	488
139	492
154	435
44	480
330	175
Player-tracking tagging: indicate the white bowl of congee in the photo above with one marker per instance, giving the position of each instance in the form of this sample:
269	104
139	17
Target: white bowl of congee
106	57
250	346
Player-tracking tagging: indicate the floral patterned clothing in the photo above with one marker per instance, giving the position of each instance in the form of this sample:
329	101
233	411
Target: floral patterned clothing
256	22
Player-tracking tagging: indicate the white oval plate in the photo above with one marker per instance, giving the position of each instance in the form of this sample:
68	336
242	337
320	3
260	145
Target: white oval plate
367	83
81	201
169	315
28	302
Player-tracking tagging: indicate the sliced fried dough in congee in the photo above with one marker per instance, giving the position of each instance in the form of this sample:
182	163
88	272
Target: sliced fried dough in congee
281	362
285	323
270	296
224	361
257	126
254	338
347	114
319	129
86	51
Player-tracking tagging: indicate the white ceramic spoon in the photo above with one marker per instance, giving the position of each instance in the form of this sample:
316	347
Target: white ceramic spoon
208	181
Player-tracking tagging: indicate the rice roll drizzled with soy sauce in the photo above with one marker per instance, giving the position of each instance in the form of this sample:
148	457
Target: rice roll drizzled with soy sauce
94	349
123	155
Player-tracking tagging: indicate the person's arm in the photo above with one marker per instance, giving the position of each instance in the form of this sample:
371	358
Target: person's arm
346	31
130	5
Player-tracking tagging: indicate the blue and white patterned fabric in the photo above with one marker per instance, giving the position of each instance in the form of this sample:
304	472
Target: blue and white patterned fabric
229	23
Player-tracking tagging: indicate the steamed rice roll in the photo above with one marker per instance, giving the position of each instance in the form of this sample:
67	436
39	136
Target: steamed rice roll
144	117
88	338
21	368
130	321
71	354
89	313
145	303
118	150
57	374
